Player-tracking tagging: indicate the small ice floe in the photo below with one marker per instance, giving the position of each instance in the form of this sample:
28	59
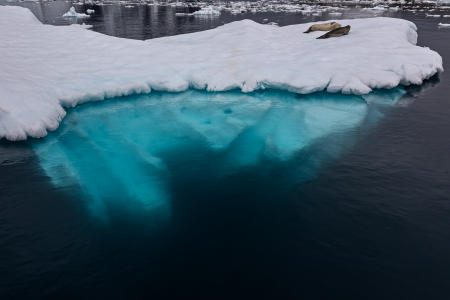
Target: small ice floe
446	16
306	11
273	23
128	6
265	20
236	11
90	11
207	11
182	14
444	25
432	16
335	14
72	13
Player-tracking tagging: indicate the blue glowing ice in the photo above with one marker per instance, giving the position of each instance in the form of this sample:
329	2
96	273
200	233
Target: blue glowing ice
128	149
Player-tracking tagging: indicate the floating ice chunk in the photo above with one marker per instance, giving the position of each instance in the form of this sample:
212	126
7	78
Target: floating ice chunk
90	11
446	16
72	13
335	14
207	11
443	25
432	16
378	53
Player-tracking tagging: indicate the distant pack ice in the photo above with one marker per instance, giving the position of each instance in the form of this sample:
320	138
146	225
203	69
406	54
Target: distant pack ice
44	68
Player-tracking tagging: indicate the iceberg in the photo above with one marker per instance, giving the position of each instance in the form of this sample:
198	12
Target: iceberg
72	13
45	68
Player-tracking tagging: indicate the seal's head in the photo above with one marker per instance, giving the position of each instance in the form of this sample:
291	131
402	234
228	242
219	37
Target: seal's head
336	32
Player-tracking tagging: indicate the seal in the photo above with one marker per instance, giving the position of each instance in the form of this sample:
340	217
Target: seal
323	27
336	32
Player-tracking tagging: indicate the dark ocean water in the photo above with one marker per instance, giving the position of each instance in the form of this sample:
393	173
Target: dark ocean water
362	212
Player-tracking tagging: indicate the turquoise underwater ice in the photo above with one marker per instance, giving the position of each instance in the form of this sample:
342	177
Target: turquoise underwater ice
126	151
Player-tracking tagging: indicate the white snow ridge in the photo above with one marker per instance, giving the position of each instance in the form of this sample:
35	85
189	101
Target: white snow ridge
44	68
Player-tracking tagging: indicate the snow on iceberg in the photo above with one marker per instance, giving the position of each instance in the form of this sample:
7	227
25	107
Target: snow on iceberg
72	13
41	67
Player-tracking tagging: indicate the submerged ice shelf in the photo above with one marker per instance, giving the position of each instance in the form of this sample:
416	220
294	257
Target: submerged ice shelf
46	68
132	156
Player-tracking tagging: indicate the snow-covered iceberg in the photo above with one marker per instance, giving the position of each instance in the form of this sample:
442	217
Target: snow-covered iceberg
45	68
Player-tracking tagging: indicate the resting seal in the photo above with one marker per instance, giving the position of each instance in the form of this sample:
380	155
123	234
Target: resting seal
336	32
323	27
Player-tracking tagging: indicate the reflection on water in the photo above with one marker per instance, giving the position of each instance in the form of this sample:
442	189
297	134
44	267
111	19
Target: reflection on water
142	21
126	151
129	21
